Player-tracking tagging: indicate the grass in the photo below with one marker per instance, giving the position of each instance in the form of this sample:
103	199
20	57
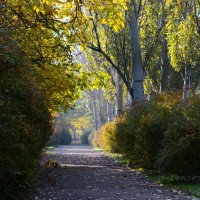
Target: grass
191	188
189	185
47	148
97	149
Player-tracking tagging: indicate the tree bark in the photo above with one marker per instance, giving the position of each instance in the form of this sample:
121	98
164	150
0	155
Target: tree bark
128	100
186	82
165	62
119	94
137	68
96	110
110	112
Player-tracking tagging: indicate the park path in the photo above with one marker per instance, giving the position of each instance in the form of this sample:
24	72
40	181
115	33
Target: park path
84	174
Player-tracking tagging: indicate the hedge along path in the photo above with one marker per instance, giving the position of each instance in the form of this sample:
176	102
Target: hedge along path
77	172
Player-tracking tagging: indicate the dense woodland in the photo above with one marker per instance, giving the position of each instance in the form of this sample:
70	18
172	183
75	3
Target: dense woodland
134	63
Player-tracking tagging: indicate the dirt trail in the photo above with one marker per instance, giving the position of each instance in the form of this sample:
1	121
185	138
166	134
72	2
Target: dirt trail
84	174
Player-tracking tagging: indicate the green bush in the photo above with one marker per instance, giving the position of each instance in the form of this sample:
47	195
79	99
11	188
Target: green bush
181	152
62	137
85	138
25	127
149	124
162	134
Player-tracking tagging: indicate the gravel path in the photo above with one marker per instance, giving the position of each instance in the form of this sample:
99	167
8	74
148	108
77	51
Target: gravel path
77	172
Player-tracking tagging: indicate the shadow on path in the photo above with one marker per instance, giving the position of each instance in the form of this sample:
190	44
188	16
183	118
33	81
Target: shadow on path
84	174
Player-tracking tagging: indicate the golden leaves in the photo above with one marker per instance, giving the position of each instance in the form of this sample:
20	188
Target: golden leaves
49	31
68	5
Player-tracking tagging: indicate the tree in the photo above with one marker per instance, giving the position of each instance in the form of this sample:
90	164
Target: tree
183	40
138	72
39	33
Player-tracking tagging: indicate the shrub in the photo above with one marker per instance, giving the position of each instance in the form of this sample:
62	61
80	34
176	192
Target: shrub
150	123
105	137
97	140
25	126
85	138
181	152
162	134
125	137
63	137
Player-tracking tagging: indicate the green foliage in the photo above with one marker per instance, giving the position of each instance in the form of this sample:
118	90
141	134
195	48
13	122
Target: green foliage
181	153
25	126
65	137
62	137
162	134
182	35
85	138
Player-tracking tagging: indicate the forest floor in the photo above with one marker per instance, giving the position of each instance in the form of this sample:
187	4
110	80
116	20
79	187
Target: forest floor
77	172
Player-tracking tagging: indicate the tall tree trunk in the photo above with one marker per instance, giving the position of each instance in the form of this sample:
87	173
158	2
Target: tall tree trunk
138	73
94	105
186	81
97	117
110	112
119	94
164	67
75	138
96	108
128	99
165	62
